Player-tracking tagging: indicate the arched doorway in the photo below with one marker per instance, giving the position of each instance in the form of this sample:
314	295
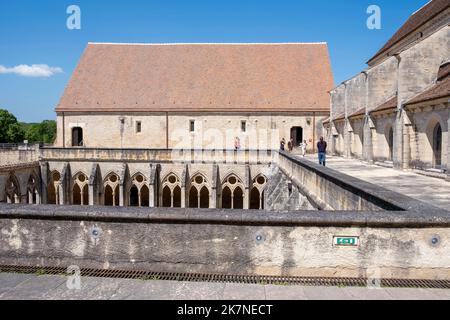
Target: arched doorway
77	137
437	145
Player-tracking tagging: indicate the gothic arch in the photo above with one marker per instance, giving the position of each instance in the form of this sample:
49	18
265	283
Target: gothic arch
257	192
434	133
232	192
33	189
138	190
111	189
53	187
80	189
171	191
199	191
12	189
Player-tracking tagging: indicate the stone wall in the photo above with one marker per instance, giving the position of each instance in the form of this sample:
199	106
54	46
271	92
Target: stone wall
412	71
19	155
393	245
212	131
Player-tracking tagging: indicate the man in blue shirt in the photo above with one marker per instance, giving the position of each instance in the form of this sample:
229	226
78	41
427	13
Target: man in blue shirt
322	147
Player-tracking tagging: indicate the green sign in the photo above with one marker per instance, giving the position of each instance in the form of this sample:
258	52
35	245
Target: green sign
346	241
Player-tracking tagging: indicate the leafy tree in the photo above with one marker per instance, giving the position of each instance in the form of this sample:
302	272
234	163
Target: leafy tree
10	130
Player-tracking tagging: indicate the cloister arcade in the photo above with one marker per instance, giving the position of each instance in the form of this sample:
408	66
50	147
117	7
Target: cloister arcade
171	189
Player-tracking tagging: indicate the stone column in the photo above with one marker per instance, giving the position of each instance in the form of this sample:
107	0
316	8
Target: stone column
407	128
121	195
246	199
151	194
398	140
183	197
61	195
347	139
213	198
44	181
367	143
91	194
38	198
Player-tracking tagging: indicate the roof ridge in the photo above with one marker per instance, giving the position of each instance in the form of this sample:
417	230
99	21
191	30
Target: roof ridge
204	43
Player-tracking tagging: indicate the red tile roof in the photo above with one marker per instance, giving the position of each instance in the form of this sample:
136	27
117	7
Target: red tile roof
444	71
390	104
418	19
440	90
200	77
358	113
339	117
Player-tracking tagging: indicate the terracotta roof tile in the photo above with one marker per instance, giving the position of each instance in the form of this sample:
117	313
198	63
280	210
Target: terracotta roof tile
391	104
200	77
358	113
419	18
437	91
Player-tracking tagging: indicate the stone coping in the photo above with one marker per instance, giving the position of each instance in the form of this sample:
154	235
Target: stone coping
380	219
368	190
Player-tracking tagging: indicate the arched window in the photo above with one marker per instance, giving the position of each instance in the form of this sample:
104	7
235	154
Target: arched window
257	193
171	191
33	190
199	192
12	190
77	137
139	192
53	188
437	145
112	193
80	193
232	193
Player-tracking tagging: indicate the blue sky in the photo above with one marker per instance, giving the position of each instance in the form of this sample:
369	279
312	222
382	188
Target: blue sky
34	32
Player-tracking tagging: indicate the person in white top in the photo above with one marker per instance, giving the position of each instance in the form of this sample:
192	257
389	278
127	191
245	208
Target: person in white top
303	146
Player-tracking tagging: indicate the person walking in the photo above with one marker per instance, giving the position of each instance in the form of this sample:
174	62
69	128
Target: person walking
303	147
283	145
322	147
291	145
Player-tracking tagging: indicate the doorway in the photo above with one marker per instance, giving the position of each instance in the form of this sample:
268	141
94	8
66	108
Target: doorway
297	135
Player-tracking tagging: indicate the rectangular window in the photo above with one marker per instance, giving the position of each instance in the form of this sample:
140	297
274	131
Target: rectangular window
192	126
243	126
138	126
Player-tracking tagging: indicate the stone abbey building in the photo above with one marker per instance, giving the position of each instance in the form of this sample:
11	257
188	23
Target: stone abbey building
179	125
396	112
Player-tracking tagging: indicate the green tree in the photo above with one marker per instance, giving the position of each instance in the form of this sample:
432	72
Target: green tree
10	129
44	132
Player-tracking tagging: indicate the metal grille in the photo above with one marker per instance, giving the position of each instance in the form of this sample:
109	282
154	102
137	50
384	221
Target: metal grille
224	278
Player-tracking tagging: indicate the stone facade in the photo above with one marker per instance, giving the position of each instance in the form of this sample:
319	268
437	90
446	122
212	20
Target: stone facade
397	111
173	131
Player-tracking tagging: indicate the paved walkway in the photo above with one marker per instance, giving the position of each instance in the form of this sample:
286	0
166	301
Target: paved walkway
431	190
24	287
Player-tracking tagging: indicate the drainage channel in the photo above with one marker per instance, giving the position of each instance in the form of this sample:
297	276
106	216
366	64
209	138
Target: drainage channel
245	279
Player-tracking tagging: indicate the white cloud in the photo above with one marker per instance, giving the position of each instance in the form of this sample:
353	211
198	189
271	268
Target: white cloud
35	70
